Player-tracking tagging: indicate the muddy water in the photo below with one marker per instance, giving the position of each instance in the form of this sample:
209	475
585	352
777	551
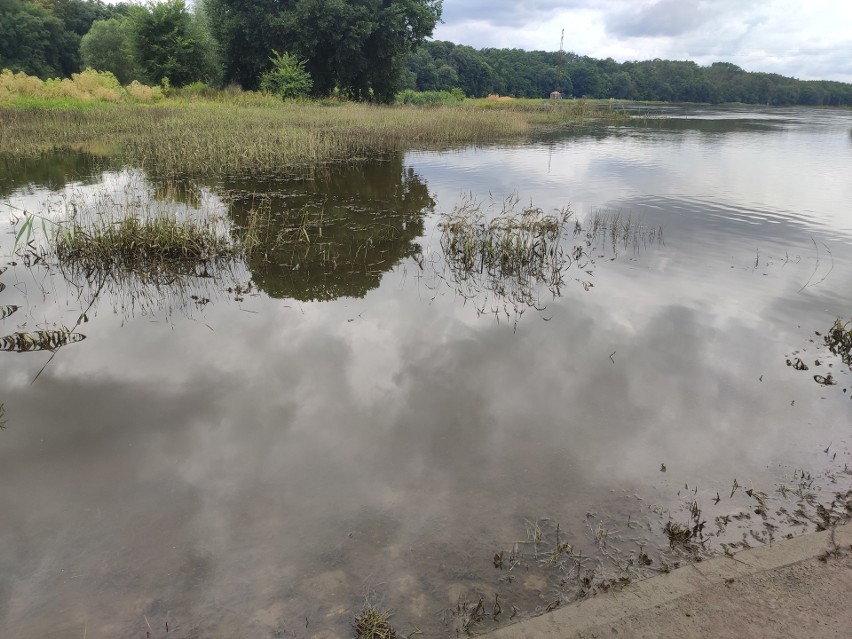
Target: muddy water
338	423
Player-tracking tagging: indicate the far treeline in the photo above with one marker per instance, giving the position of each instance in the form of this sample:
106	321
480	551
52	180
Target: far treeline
354	49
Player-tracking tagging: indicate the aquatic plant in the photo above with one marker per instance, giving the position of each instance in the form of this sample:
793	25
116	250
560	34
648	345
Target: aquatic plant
619	230
256	133
506	261
839	340
371	623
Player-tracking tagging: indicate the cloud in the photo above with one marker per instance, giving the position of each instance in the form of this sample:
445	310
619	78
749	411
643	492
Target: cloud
809	42
663	18
508	13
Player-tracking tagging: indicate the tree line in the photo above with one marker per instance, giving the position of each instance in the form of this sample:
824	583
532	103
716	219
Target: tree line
442	66
359	49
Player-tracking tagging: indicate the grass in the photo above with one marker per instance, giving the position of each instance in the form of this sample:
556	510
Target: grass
235	132
505	261
523	244
136	243
155	233
371	623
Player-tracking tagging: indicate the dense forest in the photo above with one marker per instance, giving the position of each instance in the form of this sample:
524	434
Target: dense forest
358	49
534	74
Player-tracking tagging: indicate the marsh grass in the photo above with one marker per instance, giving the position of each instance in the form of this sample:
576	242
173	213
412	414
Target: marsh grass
619	231
154	244
252	134
511	259
372	623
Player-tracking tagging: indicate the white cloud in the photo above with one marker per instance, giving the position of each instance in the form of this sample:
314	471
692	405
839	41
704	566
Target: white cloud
807	40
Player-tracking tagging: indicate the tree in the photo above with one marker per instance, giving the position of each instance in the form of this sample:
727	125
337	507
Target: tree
287	78
355	46
167	43
35	41
106	47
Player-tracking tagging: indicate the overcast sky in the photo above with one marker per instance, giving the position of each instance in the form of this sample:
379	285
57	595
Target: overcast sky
806	39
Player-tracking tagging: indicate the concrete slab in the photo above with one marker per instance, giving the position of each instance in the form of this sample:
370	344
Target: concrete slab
787	590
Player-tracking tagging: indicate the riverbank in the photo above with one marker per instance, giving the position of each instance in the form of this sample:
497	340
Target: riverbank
795	588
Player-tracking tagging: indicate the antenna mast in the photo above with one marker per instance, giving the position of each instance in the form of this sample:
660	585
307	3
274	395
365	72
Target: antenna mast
561	42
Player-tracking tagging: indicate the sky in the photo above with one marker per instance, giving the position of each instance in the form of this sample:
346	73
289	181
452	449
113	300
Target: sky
805	39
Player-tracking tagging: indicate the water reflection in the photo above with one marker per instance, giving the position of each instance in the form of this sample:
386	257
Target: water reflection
237	476
344	227
53	170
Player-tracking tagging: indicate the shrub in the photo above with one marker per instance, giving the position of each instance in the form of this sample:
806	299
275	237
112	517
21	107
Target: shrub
287	78
429	98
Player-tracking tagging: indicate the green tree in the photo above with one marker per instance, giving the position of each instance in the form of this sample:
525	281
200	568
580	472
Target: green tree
355	46
35	41
287	78
77	16
167	43
106	47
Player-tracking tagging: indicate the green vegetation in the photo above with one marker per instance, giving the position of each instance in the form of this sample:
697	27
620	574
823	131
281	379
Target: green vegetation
442	66
430	98
238	132
287	78
371	623
839	340
357	49
523	245
140	243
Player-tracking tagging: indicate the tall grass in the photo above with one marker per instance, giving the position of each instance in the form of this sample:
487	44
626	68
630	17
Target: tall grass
199	131
215	138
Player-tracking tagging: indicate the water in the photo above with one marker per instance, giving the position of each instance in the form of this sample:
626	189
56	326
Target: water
339	423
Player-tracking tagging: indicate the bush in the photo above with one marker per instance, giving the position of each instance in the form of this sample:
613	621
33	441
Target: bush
87	86
430	98
287	78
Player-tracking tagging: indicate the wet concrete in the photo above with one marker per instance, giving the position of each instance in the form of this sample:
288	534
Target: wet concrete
796	588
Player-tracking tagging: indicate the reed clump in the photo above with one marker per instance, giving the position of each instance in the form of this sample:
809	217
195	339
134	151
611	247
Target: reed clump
521	244
372	623
147	244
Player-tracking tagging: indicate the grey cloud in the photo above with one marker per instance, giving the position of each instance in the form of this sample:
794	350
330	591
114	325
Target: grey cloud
663	18
509	12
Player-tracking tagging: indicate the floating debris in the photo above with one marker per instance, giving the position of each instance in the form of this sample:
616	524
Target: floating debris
6	311
39	340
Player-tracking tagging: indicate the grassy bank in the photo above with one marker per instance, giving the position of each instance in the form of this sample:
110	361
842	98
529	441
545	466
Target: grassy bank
235	132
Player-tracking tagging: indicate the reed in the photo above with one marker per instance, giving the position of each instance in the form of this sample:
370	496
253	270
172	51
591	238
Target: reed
243	133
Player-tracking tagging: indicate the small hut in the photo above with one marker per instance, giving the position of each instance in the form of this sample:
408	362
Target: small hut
556	95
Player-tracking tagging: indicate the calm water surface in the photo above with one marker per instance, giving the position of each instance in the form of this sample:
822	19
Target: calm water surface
338	423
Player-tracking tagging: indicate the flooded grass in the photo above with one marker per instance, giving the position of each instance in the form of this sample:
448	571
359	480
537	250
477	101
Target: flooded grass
523	244
505	261
371	623
152	244
619	231
215	138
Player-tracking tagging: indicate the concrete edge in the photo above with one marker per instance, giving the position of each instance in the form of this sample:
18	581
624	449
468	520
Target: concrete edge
661	589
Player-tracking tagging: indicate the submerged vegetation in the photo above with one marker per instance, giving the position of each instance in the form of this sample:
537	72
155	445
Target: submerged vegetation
839	340
372	623
503	261
161	243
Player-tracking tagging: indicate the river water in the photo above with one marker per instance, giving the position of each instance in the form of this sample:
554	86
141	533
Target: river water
257	454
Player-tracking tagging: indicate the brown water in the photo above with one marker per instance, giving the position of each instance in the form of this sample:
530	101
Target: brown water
258	463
